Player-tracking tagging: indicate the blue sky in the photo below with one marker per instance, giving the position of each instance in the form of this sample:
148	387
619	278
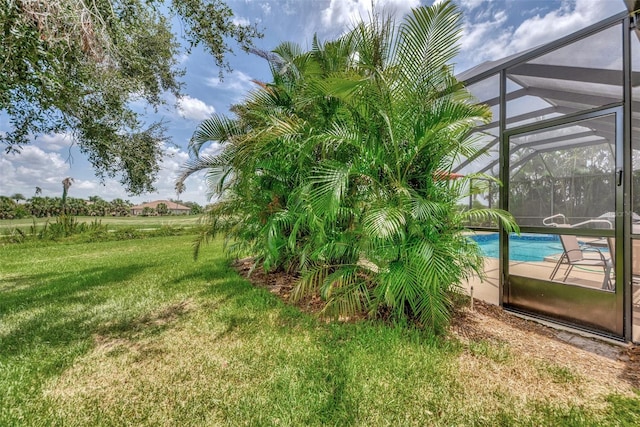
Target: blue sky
493	29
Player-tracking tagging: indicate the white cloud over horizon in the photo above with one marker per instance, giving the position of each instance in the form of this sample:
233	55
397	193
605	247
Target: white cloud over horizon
32	167
35	166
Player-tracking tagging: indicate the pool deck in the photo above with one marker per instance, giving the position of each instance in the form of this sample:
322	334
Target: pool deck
488	289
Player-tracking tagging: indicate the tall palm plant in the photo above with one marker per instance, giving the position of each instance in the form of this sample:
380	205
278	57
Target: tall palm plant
408	122
267	153
335	168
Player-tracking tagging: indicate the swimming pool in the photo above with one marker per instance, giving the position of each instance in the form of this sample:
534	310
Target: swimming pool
526	247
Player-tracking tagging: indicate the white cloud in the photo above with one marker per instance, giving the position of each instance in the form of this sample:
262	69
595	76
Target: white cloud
183	58
340	15
543	29
240	21
194	109
472	4
237	83
56	141
21	173
266	8
485	40
344	13
81	184
32	167
170	169
211	149
486	37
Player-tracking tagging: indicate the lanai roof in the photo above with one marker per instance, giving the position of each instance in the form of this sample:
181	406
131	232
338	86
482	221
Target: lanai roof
578	73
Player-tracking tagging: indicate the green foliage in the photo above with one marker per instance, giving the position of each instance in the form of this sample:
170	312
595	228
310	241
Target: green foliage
17	197
41	207
69	229
335	169
162	209
147	211
196	209
10	209
624	411
65	226
497	352
70	66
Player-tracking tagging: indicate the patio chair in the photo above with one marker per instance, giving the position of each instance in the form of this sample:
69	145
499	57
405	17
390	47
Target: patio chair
611	244
575	255
635	261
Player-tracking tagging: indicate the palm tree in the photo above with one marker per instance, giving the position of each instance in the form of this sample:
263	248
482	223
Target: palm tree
334	168
17	197
38	191
8	207
268	147
66	183
119	207
180	187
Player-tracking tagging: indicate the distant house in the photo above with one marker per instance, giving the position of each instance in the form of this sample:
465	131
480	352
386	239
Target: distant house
172	207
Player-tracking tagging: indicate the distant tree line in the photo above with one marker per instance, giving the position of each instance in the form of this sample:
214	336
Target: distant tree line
17	206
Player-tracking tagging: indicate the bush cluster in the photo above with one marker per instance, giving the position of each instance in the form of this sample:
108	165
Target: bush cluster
339	169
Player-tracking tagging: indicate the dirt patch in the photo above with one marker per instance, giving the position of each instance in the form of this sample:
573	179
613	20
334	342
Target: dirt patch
169	314
543	361
116	337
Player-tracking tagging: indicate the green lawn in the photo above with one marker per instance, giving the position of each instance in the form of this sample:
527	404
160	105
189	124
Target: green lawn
136	333
140	222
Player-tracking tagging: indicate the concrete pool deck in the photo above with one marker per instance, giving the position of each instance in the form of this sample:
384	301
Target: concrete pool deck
488	289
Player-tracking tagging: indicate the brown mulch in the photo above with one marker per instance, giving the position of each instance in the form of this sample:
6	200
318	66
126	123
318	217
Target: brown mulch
616	366
280	284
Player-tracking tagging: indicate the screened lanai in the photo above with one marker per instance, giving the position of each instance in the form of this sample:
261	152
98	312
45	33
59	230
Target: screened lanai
565	144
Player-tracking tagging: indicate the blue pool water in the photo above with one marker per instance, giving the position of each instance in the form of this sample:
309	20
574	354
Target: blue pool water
526	247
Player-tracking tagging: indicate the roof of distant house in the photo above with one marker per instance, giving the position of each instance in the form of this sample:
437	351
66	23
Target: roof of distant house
154	205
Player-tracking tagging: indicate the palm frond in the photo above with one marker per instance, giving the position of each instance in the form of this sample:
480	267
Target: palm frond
506	219
329	184
216	128
426	210
384	222
310	281
344	291
428	37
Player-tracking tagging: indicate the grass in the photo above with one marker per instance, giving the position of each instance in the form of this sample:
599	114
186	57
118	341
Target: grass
139	222
74	229
136	333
